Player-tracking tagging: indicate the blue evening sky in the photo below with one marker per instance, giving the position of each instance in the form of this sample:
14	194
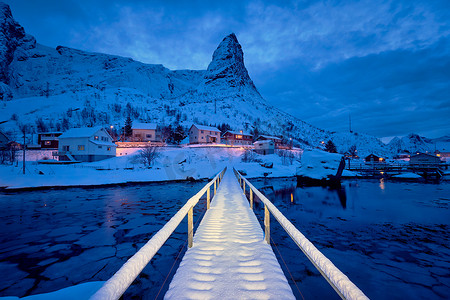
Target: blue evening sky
385	63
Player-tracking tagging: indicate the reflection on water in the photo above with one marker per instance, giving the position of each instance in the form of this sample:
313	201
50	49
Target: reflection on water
293	194
390	238
382	184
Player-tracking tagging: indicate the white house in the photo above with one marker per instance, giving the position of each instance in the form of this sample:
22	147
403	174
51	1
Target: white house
264	147
86	144
201	134
146	132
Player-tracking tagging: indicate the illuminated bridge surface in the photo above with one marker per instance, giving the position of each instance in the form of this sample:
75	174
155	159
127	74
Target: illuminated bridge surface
229	258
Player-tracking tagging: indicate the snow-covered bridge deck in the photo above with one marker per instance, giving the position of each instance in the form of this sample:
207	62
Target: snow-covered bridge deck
229	258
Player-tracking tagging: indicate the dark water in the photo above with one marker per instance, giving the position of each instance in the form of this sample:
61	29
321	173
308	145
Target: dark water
57	238
391	239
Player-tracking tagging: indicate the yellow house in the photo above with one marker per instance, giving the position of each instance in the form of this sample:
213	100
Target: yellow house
202	134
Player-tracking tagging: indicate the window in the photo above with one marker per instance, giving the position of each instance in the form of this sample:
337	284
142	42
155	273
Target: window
109	148
80	147
96	137
99	147
66	148
202	138
48	143
202	131
238	136
149	135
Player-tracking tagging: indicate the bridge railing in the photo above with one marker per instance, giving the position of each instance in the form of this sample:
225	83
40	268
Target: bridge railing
124	277
338	280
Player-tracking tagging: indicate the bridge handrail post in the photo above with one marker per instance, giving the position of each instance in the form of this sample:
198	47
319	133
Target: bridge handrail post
267	224
345	288
124	277
191	227
208	198
251	199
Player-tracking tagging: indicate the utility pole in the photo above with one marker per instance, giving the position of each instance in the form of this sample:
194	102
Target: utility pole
350	123
24	149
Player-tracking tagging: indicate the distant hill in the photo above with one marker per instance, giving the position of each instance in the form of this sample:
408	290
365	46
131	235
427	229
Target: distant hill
413	143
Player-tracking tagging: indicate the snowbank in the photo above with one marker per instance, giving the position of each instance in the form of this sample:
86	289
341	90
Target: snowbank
408	175
317	164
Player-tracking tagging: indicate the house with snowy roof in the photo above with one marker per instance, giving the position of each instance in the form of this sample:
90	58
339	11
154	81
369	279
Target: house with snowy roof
86	144
146	132
373	158
264	147
237	138
49	140
278	142
202	134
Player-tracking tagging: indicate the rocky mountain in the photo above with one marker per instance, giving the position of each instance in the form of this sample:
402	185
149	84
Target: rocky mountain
54	89
413	143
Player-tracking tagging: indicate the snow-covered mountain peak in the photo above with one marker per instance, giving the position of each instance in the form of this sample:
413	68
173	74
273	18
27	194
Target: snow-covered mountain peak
227	69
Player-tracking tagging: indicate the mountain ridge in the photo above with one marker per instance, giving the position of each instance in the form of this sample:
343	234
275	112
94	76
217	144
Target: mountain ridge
81	88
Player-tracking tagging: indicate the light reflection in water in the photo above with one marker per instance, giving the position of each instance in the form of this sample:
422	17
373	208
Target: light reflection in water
382	184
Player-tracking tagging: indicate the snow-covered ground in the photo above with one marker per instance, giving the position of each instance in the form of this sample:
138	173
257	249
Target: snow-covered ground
173	164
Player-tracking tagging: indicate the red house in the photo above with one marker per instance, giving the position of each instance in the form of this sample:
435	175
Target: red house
237	138
48	140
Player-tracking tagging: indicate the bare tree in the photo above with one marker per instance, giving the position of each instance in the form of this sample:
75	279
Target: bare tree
249	156
148	155
287	157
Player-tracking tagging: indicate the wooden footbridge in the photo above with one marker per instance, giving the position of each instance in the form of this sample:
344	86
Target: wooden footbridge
230	256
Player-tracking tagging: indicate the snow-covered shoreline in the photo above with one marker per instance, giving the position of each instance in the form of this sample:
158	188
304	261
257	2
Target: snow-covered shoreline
174	164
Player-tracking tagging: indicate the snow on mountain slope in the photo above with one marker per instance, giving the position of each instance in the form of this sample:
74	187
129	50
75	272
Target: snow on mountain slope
415	143
64	87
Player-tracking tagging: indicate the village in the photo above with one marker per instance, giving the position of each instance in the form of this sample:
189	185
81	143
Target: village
141	144
91	144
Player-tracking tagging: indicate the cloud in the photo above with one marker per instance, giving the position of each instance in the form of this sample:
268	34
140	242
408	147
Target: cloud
387	94
332	31
385	62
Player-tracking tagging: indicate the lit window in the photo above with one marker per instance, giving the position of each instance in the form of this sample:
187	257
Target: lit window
109	148
96	137
239	137
47	143
80	147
